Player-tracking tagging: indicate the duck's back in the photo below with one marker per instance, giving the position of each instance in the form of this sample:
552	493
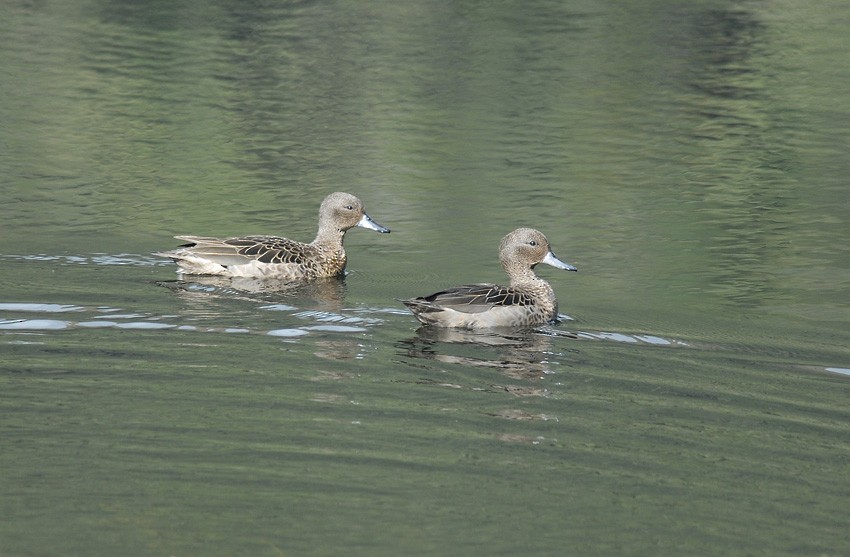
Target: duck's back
256	256
476	306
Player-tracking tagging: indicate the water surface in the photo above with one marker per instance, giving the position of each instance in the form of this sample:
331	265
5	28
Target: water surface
690	159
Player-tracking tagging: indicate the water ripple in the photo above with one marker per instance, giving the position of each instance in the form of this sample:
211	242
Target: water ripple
105	259
43	308
120	319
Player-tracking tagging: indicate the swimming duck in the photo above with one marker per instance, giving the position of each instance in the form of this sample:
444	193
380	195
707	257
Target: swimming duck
528	301
274	257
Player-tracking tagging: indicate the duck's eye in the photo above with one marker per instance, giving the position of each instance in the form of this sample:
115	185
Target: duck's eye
532	243
349	207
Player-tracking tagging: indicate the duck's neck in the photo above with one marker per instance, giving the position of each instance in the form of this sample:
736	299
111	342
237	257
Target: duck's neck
522	275
329	237
527	280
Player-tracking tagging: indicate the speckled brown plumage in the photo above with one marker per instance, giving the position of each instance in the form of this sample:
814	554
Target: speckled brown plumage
480	297
276	257
528	301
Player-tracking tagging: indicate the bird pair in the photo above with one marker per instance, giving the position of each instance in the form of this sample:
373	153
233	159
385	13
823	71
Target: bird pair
528	300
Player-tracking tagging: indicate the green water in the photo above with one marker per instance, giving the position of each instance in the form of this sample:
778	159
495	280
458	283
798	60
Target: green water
689	158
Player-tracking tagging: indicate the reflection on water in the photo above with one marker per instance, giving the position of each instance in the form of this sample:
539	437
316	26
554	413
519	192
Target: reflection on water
517	354
743	197
521	354
331	289
200	292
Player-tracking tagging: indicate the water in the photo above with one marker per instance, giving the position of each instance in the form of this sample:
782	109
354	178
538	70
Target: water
690	159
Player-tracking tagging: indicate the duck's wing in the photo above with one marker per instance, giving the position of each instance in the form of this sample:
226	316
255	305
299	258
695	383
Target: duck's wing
239	251
470	298
271	249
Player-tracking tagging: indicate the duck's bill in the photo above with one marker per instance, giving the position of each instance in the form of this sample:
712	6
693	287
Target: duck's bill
367	222
550	259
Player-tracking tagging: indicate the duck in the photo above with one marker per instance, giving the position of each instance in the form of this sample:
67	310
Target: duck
274	257
528	301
